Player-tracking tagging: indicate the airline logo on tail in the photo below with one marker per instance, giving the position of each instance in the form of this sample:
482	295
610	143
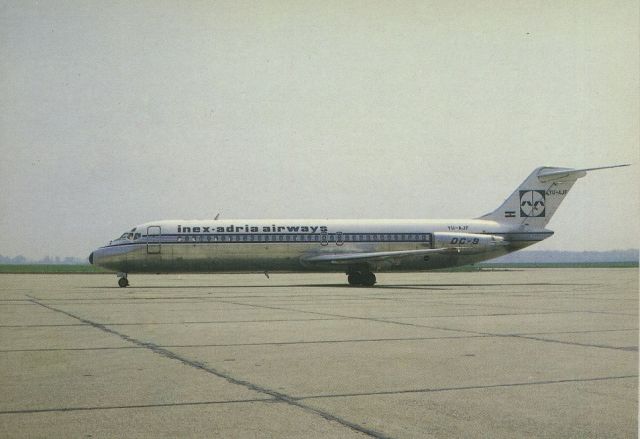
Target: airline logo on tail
532	203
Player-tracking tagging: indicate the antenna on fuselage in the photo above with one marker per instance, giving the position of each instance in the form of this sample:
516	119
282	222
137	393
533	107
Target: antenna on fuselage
217	216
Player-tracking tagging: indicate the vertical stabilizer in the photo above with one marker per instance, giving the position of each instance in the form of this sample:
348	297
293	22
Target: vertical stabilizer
535	201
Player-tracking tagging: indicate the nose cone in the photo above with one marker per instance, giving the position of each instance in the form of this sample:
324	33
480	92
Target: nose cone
111	257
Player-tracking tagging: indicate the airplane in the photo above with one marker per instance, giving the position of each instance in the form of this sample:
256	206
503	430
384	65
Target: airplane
356	247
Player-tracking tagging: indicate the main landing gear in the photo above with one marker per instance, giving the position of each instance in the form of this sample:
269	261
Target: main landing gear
363	278
123	281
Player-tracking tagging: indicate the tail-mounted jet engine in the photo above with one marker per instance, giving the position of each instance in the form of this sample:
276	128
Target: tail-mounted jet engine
467	242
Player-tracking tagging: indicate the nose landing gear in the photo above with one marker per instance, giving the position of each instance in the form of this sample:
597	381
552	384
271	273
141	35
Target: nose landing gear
123	281
363	278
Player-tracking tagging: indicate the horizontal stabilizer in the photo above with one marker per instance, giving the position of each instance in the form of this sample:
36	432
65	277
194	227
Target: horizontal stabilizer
569	174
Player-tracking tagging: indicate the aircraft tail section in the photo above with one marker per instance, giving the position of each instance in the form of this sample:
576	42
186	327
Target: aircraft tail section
535	201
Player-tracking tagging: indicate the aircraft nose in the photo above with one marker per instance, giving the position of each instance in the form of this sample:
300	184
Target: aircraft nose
91	258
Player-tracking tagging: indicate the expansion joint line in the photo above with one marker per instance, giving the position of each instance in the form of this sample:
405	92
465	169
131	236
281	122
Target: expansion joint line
440	328
278	396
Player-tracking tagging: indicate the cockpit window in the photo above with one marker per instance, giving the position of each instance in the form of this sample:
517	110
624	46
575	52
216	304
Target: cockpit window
129	236
125	235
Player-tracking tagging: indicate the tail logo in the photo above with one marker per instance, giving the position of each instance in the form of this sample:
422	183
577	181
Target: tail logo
532	203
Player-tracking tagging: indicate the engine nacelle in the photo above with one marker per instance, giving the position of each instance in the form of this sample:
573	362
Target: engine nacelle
467	242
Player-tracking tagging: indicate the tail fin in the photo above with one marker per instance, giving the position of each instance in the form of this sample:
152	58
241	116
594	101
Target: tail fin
537	198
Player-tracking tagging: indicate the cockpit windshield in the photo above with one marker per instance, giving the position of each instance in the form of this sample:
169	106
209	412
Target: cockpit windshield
129	236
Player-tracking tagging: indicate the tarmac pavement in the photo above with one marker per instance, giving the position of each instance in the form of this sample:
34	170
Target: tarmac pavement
532	353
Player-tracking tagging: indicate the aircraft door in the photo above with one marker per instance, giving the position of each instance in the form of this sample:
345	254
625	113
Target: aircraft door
153	240
339	238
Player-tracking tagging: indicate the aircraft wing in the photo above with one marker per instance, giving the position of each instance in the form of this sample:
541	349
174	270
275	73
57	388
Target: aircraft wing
349	258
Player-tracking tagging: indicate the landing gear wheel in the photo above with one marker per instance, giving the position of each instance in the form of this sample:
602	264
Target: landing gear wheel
123	282
368	279
361	278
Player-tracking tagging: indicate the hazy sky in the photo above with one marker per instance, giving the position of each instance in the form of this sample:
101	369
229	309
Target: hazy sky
118	113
